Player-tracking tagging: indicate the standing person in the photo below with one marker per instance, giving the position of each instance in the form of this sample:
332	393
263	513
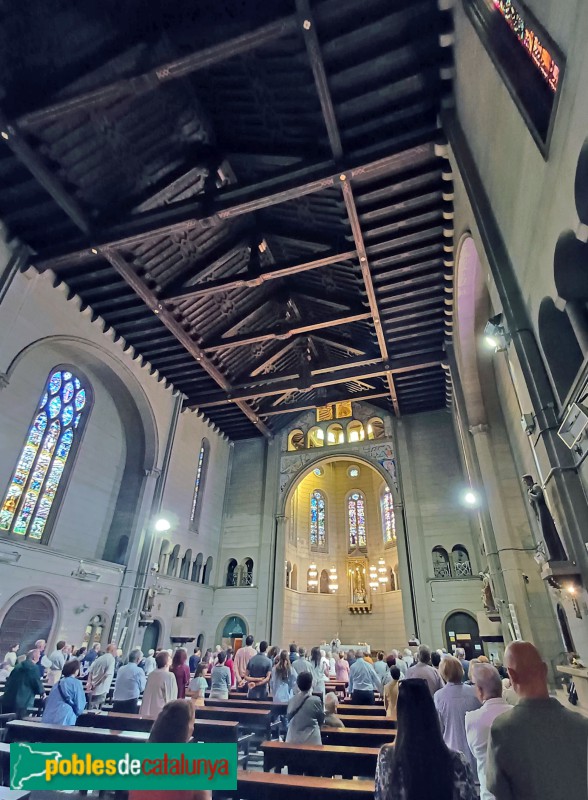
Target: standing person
391	693
22	685
332	663
180	669
381	667
220	679
460	654
319	671
302	664
423	670
242	659
293	654
452	702
174	725
258	674
149	663
331	718
161	686
40	645
5	670
10	657
195	659
488	688
399	662
305	713
282	680
363	680
57	659
66	700
129	686
351	658
421	766
408	657
342	668
230	665
91	655
100	677
198	686
539	749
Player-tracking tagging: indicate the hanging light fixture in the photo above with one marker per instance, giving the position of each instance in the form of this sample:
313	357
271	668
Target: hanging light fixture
333	584
312	576
373	578
382	572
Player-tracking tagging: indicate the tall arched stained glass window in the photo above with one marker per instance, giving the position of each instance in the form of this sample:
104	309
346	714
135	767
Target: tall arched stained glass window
388	520
52	437
318	517
199	484
356	517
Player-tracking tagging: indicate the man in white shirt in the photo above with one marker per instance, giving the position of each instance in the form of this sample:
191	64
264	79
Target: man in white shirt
57	658
130	683
100	677
488	688
400	663
150	664
423	670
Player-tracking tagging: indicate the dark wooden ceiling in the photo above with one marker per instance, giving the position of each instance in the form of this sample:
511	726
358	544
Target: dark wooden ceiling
247	192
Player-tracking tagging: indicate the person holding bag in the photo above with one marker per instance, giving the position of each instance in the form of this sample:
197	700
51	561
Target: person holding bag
305	714
66	700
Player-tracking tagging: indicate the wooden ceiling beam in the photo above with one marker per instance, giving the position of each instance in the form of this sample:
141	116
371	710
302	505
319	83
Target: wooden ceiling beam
256	389
190	214
247	280
305	406
172	70
262	336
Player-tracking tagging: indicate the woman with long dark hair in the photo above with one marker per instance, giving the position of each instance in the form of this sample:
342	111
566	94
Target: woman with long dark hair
181	670
282	680
419	764
318	671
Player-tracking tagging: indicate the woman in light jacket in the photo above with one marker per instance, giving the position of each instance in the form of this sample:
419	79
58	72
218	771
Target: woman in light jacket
305	714
283	679
66	700
220	680
319	671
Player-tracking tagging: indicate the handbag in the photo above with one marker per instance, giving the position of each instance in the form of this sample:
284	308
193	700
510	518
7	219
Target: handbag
291	717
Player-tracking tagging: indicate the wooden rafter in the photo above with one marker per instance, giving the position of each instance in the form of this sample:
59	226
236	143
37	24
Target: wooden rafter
305	405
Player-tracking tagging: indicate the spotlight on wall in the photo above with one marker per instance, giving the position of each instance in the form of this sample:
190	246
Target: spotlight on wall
495	334
82	574
162	525
470	498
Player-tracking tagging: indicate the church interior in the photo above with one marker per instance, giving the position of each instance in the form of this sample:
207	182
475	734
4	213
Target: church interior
294	326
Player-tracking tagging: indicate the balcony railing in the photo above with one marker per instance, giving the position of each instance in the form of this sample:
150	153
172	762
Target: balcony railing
463	569
442	570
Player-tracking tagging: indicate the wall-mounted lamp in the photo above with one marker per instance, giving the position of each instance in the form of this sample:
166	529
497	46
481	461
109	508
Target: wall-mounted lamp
312	580
162	525
495	334
333	580
374	578
82	574
382	573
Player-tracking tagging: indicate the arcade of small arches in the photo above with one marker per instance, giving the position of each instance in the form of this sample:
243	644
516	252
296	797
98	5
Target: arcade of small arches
336	433
239	574
456	566
186	567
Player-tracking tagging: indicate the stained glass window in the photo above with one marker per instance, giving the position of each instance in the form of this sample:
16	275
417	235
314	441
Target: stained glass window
318	515
34	485
199	483
356	516
388	520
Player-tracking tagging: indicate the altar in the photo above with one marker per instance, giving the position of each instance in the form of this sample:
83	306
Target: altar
363	646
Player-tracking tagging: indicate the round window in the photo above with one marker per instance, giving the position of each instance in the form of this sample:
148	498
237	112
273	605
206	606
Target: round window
353	471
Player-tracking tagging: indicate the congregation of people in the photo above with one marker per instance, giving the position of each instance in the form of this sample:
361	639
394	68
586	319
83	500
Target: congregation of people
465	729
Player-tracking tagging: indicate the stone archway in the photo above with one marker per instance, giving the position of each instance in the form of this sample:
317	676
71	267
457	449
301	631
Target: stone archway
27	618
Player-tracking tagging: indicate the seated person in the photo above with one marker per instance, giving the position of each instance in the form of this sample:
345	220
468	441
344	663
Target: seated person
331	718
305	713
174	725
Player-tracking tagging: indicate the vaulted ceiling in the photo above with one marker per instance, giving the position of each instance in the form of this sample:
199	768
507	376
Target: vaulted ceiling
248	193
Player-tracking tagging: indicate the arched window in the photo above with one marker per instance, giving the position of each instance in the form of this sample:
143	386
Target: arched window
28	619
180	610
335	434
388	519
197	568
288	574
318	521
461	561
231	577
201	467
52	438
355	431
185	568
172	564
206	572
294	578
324	582
296	440
315	437
200	641
441	566
356	520
246	576
375	428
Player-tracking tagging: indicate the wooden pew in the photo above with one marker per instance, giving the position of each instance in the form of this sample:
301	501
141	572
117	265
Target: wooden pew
364	721
357	737
260	705
249	718
215	731
368	711
272	786
31	730
320	760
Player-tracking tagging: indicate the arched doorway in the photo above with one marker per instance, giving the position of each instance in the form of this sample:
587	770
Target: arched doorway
565	630
151	636
461	630
231	631
28	619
